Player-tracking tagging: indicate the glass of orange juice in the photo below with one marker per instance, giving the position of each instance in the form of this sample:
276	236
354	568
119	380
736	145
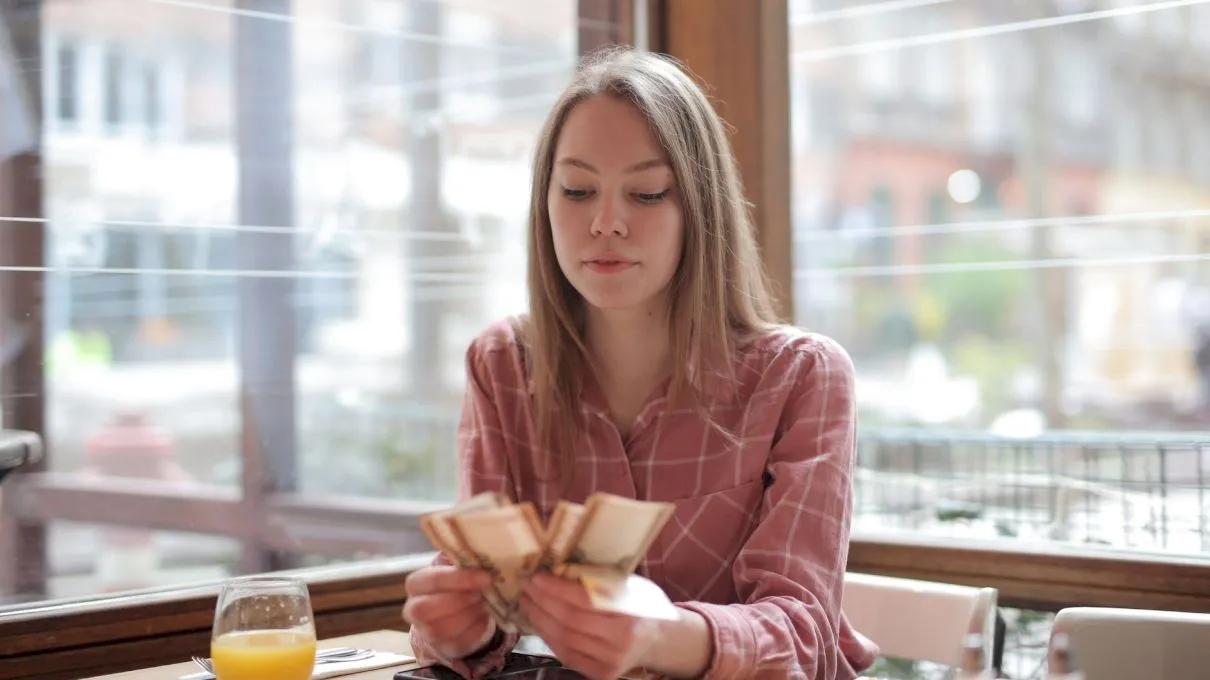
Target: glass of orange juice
263	628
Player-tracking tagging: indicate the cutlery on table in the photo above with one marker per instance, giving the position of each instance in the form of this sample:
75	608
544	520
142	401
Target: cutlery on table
331	655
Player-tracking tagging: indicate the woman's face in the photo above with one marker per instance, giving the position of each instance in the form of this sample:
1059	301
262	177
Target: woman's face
615	209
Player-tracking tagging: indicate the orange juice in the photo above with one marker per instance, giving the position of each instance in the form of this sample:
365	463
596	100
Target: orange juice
264	655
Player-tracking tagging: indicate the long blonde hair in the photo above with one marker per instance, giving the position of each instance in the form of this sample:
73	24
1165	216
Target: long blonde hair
719	293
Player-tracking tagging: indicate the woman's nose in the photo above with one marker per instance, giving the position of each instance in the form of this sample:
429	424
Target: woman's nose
610	219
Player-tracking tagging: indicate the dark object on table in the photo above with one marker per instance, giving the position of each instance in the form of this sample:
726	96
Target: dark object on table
517	667
18	448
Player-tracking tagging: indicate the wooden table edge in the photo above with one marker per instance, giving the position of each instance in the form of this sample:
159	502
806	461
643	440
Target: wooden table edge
380	640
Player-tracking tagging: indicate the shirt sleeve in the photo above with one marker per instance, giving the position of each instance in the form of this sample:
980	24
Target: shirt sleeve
790	573
483	466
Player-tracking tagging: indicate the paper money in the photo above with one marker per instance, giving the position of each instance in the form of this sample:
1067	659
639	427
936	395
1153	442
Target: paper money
441	533
617	531
630	594
562	532
507	543
599	543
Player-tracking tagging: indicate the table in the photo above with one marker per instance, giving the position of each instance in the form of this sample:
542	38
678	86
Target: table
383	640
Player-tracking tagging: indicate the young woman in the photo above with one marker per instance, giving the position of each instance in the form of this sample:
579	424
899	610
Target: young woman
651	366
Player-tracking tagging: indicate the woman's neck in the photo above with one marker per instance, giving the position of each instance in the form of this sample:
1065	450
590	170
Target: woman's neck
629	347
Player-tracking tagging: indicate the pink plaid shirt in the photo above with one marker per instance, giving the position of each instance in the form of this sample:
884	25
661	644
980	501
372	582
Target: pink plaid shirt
759	539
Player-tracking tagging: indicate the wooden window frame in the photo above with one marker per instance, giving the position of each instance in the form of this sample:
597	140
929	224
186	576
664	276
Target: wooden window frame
740	51
740	48
22	290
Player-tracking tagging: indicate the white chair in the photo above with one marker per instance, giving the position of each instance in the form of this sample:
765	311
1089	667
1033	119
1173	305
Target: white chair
922	620
1127	644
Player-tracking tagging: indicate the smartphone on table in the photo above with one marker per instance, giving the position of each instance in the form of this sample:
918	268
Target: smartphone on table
516	667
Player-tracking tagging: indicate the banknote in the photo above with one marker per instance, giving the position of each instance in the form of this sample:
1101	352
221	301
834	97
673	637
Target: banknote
599	543
437	527
630	594
616	531
562	532
507	543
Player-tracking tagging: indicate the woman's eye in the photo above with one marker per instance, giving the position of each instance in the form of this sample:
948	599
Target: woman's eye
653	198
575	194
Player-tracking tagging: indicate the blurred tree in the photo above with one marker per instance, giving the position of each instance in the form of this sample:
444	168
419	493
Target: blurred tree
986	302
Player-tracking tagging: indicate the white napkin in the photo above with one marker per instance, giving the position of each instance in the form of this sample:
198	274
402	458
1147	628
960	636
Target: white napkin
379	660
339	668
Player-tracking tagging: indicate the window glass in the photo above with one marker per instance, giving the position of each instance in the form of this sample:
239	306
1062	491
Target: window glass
1021	277
269	237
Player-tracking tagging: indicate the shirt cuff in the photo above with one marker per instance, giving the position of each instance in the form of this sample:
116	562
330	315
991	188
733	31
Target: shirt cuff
733	640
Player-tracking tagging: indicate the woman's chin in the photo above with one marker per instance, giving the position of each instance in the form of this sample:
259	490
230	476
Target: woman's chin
618	302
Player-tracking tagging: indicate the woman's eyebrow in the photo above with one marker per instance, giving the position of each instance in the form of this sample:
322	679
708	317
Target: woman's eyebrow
637	167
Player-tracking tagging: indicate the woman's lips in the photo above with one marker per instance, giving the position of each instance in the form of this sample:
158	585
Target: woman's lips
607	266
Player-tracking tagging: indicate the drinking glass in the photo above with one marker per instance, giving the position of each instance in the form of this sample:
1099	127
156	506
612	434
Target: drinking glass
263	628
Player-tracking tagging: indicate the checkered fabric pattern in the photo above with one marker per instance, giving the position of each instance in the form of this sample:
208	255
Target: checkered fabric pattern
759	539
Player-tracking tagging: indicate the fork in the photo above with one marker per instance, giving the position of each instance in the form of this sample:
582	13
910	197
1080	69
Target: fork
332	655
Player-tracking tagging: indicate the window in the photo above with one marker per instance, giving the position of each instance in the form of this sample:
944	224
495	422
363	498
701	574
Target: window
1192	130
110	83
881	207
115	88
959	321
67	90
465	68
1131	18
1170	25
881	70
803	120
937	63
1078	88
1128	134
938	208
1199	105
987	95
1166	132
208	99
380	49
310	285
1013	313
800	10
1199	27
153	114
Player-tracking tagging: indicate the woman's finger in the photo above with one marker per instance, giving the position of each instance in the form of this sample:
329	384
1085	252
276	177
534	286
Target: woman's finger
589	639
433	580
567	590
570	604
459	633
430	611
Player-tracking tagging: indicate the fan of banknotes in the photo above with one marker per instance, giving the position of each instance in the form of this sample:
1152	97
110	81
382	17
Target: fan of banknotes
598	543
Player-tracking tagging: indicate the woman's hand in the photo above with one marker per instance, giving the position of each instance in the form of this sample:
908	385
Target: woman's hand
601	645
446	606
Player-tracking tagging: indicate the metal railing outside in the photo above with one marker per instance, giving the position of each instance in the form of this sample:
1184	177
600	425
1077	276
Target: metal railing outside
1130	490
